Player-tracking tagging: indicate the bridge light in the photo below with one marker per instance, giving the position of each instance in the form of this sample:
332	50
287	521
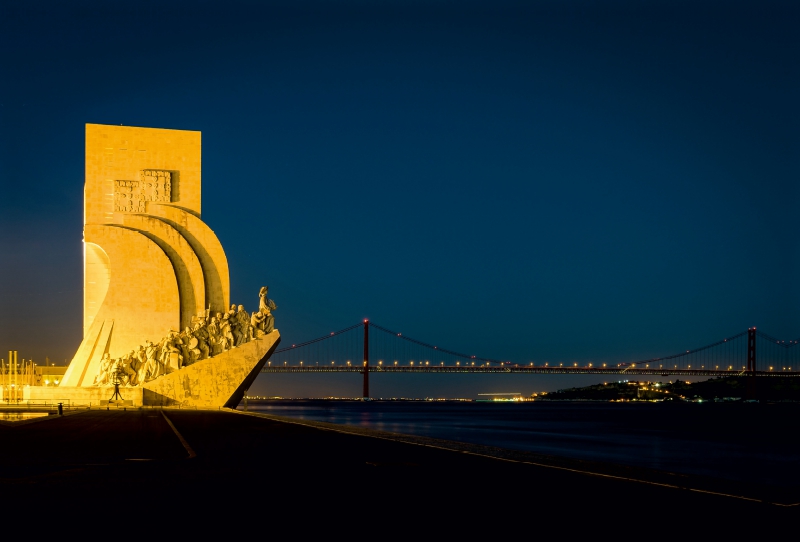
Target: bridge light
458	363
770	368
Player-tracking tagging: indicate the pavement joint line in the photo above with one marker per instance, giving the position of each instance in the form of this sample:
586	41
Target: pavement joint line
189	449
544	465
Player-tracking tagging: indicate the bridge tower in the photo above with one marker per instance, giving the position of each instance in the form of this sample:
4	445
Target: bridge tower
365	372
751	389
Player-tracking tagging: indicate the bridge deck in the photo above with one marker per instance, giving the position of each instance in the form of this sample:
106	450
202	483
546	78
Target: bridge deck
612	371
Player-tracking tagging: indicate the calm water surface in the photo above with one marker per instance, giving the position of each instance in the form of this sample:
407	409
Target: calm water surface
750	442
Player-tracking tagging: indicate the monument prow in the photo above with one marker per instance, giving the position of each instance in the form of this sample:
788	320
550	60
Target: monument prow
215	382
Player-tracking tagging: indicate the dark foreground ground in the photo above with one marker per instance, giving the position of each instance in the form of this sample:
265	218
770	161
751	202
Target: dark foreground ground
212	460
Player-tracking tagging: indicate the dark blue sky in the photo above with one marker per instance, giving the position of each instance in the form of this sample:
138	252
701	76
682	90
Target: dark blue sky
555	181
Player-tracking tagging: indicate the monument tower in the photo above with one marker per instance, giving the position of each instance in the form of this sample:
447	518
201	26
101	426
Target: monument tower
150	262
156	287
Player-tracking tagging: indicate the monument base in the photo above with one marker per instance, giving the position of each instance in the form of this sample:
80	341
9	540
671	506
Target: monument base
75	396
211	383
214	382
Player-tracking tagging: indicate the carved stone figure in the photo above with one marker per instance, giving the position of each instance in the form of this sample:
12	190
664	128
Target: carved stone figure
134	365
153	366
226	332
189	347
102	378
233	321
212	329
201	335
256	325
126	373
243	325
171	355
265	307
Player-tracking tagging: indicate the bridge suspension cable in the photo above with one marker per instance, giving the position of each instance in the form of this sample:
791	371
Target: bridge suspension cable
346	350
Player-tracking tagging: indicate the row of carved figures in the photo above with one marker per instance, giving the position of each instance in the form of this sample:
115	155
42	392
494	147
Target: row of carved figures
208	336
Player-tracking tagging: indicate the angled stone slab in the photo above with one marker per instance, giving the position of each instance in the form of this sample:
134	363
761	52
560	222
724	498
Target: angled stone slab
215	382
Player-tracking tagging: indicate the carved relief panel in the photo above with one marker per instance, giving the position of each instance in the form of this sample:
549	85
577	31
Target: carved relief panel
152	185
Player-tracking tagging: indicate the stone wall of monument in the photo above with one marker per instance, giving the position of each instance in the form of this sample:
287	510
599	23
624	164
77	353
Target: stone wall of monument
151	264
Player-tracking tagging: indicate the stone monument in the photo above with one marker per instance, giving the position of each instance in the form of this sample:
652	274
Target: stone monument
156	281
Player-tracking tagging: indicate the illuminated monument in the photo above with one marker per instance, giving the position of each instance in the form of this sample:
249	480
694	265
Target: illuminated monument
156	299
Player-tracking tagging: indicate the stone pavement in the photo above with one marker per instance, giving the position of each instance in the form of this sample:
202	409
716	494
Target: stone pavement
195	457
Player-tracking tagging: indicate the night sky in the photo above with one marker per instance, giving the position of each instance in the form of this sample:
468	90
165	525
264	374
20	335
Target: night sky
534	181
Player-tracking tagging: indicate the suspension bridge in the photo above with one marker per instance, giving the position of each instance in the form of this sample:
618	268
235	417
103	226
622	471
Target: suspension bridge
368	347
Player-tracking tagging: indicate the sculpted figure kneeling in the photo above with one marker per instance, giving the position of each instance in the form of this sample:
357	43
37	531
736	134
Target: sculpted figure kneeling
126	373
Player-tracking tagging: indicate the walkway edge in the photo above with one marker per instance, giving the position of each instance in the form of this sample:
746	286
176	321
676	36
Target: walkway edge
452	446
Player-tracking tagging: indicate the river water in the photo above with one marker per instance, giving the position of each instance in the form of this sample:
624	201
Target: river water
747	442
